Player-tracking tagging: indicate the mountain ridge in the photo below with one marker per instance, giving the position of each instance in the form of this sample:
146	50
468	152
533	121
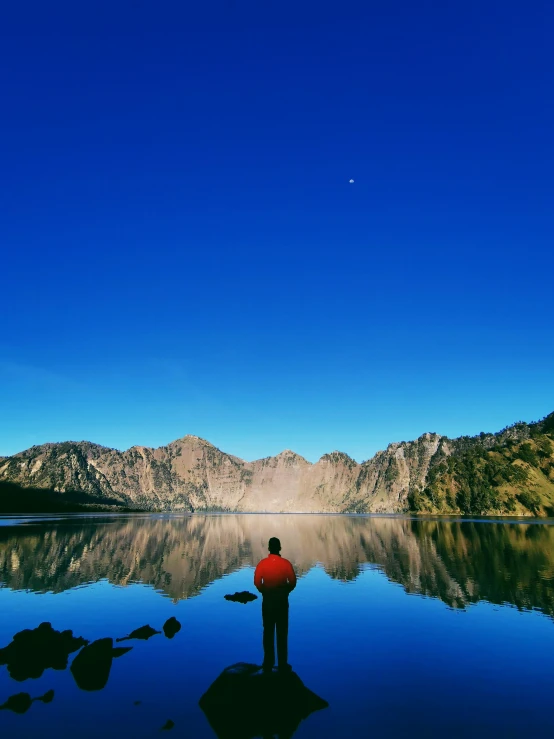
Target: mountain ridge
511	472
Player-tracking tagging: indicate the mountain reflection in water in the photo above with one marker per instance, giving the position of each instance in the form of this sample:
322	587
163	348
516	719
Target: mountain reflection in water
131	627
461	562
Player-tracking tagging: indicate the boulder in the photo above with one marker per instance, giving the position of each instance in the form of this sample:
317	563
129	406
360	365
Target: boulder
171	627
144	632
91	667
245	702
34	650
21	702
243	597
18	703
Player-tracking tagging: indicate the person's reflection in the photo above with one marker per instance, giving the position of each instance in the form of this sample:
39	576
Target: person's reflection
275	578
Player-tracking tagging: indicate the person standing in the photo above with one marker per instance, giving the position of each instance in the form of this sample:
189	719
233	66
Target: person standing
275	579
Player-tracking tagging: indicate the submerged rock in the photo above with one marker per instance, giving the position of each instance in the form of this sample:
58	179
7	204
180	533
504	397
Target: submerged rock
120	651
21	702
48	697
243	597
91	667
18	703
169	724
144	632
245	702
34	650
171	627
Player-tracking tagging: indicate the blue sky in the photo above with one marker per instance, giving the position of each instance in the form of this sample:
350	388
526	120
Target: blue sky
182	251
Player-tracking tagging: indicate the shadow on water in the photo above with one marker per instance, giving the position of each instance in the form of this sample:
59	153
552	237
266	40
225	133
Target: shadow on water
245	702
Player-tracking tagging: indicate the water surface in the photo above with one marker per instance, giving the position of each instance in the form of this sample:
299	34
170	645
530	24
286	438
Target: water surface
405	627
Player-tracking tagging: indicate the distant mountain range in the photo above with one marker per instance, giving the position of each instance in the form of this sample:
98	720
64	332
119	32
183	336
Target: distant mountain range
510	472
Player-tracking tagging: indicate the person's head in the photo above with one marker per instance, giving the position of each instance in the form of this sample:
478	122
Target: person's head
274	545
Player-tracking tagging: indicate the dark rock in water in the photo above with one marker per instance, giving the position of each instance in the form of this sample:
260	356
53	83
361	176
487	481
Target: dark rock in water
91	667
171	627
34	650
21	702
243	597
245	702
48	697
137	703
169	724
144	632
120	651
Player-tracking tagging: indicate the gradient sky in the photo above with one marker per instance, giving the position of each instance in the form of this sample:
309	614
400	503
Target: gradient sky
182	252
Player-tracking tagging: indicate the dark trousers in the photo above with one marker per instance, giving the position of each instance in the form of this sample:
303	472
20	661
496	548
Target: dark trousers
275	617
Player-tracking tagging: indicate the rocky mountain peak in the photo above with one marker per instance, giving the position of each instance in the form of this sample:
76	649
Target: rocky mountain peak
191	439
289	455
338	458
514	470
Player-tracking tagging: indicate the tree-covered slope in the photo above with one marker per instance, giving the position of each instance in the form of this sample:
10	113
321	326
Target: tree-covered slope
509	473
17	499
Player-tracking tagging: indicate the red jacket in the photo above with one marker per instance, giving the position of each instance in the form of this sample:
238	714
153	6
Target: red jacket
274	575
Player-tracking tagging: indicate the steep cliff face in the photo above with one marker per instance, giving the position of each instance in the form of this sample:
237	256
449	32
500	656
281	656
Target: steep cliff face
431	474
192	474
60	467
386	480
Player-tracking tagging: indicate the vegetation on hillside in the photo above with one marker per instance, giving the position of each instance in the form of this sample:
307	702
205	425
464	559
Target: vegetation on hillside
17	499
510	473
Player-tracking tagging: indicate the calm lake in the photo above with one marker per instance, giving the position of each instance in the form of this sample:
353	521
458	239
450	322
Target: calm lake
405	627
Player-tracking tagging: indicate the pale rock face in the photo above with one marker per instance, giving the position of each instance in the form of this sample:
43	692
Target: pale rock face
192	474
